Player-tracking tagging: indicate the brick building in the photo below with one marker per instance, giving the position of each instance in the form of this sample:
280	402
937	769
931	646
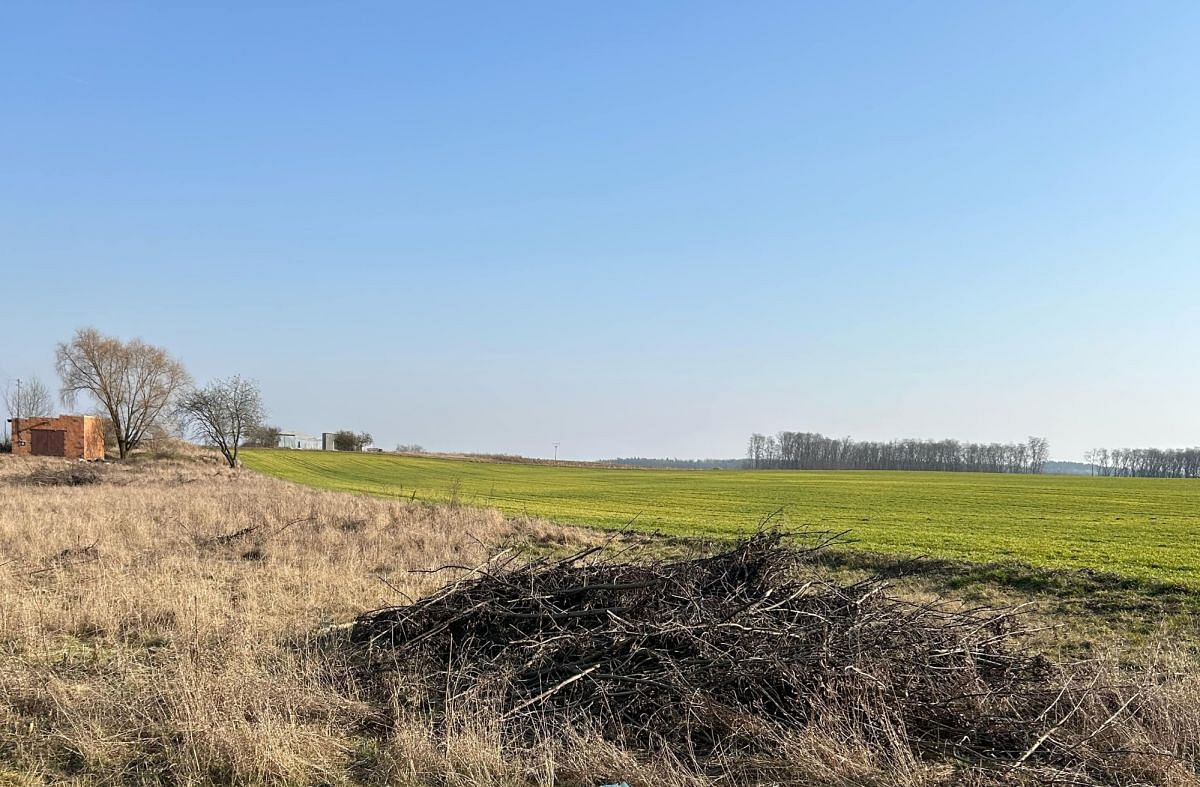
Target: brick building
69	436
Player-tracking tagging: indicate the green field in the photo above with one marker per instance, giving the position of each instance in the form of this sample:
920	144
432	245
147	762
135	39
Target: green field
1144	529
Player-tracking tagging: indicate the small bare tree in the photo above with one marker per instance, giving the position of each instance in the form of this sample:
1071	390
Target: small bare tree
223	413
135	383
28	398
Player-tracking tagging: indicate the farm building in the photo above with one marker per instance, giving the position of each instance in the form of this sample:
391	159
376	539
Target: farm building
299	441
68	436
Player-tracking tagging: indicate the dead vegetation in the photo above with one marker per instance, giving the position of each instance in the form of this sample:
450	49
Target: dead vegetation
181	622
73	474
162	621
721	658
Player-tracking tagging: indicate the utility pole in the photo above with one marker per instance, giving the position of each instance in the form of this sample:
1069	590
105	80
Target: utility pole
17	403
556	452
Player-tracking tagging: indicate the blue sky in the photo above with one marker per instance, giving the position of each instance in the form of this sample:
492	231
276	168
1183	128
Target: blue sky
631	228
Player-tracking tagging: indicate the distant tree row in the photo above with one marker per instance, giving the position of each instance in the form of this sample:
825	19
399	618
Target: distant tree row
409	448
678	464
810	451
1145	462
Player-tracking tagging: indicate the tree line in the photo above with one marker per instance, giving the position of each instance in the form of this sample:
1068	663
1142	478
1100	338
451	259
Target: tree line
811	451
1145	462
677	464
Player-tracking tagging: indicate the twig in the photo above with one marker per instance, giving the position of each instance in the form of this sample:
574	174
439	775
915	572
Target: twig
553	689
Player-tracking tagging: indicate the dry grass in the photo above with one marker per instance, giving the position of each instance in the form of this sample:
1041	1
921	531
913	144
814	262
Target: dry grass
136	641
170	623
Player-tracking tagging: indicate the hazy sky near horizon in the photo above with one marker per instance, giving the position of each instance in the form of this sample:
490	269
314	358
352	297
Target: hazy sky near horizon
633	228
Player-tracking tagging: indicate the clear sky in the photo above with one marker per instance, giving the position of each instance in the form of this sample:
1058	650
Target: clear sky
634	228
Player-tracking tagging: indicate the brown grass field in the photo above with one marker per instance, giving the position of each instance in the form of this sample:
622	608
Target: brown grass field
171	623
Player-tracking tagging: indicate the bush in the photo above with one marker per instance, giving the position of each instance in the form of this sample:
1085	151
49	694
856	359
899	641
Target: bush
345	440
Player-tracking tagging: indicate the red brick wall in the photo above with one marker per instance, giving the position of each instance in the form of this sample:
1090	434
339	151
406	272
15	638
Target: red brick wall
84	435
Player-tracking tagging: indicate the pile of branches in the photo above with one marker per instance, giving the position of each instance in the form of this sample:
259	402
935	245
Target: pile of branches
77	474
720	655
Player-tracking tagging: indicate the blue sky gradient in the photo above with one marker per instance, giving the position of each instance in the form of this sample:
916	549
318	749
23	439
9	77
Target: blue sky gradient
631	228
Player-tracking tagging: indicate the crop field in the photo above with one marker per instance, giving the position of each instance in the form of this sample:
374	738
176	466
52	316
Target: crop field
1143	529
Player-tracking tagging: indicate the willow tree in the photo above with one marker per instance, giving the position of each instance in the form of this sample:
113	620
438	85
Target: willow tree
135	384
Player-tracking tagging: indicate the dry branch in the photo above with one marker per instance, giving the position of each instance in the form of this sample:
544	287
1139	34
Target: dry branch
723	655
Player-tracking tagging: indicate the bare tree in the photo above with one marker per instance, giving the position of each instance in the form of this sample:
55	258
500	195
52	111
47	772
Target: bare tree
28	398
135	383
755	450
222	413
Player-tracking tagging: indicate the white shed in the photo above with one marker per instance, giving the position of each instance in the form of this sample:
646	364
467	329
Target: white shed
299	441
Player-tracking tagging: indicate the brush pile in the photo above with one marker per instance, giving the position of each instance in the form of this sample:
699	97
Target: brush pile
722	655
75	474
